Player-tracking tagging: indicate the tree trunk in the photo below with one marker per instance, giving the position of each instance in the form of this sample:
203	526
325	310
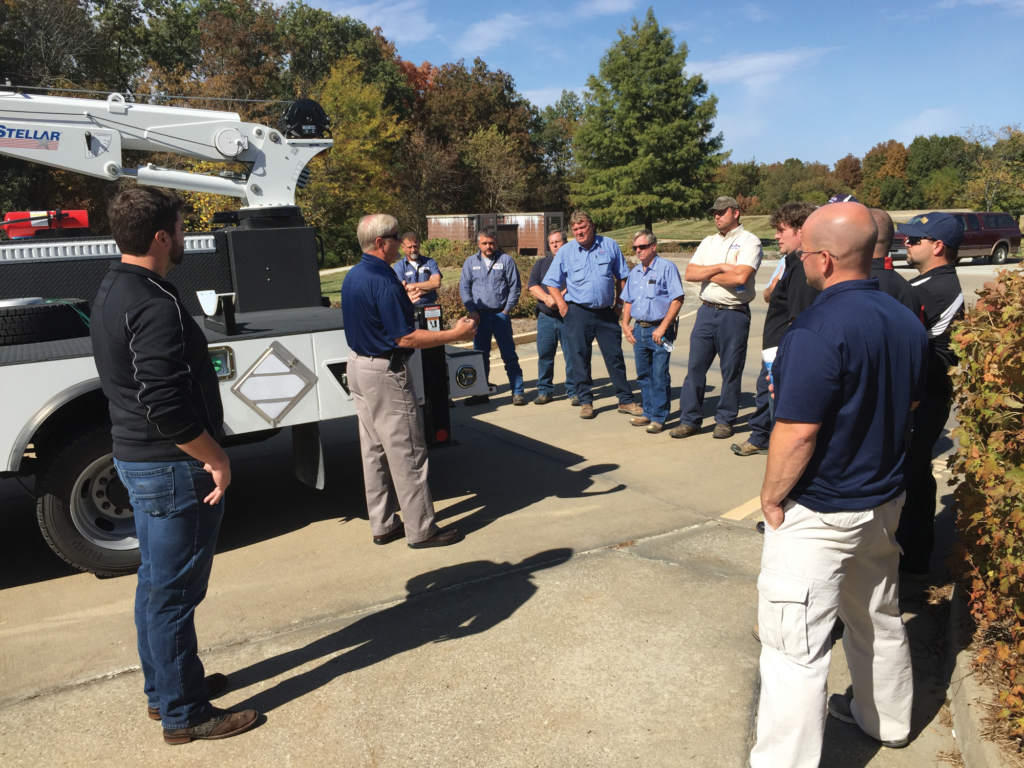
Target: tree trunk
649	222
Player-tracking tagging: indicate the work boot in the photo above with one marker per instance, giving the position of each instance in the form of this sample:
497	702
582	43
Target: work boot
543	400
518	399
684	430
839	707
633	409
722	431
748	449
221	725
640	421
654	428
586	411
574	402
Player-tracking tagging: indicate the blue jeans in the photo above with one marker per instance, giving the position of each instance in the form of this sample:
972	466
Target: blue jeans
721	332
551	332
177	536
582	326
499	324
761	419
652	374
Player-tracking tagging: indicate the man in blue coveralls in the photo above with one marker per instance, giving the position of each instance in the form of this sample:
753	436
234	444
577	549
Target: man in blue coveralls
490	289
592	269
653	296
418	270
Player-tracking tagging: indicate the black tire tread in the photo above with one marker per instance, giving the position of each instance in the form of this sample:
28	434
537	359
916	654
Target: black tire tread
37	323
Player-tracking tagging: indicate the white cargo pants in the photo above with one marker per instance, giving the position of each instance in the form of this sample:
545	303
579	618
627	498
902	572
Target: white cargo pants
814	566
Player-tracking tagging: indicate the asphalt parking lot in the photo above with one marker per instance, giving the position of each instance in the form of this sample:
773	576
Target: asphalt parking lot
597	613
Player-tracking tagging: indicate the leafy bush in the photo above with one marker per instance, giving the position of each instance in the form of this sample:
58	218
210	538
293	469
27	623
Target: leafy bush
990	498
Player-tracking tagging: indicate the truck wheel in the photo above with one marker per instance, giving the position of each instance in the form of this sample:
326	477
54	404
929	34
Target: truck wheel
35	323
84	511
999	255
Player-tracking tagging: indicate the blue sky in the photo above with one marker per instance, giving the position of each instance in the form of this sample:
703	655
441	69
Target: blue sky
793	79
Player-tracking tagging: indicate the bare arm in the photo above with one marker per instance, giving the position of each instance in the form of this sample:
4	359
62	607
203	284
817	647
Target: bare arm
556	294
770	288
670	317
734	276
698	273
430	285
627	310
789	452
540	294
205	449
464	330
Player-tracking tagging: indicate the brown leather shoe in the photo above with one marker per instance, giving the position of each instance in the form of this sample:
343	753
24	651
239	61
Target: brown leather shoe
543	399
586	411
215	683
390	536
748	449
439	539
655	428
640	421
722	431
684	430
633	409
222	725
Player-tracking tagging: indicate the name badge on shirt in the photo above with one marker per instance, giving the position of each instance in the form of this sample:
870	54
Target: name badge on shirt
410	273
499	266
476	267
424	269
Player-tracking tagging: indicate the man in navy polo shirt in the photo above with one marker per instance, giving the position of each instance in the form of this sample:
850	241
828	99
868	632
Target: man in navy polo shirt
379	329
653	296
592	269
932	243
416	269
846	376
490	289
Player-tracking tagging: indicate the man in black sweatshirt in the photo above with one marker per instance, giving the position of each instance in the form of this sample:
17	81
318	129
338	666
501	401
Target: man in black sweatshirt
167	417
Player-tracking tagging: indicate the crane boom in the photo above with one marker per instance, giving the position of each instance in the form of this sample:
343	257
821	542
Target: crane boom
88	135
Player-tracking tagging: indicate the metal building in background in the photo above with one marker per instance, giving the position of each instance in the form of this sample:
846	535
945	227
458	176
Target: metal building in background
525	233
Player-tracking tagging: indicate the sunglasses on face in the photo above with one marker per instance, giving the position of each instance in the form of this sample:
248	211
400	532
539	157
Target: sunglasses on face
639	248
917	240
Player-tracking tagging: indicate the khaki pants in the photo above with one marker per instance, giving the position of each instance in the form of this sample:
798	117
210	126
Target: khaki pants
393	449
814	566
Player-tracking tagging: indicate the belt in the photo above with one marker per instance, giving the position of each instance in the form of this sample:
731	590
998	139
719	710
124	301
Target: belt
722	306
652	324
390	355
584	306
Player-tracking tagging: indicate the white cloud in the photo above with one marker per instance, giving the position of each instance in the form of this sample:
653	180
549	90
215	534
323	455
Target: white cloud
757	13
1012	6
926	123
603	7
545	97
402	21
756	70
490	33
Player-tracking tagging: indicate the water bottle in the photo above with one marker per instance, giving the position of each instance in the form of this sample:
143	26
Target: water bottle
667	345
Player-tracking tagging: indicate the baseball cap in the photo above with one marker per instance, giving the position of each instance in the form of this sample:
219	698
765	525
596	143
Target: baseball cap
722	203
842	199
936	226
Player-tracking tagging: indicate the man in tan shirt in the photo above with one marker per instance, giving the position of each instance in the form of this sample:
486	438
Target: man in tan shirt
725	265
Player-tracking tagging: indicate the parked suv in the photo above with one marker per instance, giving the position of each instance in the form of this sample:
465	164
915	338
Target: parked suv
995	235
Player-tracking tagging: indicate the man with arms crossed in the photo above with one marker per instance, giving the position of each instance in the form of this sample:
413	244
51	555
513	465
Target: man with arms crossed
379	329
932	245
418	270
653	295
847	374
550	329
725	265
592	269
155	370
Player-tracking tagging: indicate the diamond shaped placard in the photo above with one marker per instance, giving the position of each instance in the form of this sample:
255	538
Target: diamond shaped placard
274	384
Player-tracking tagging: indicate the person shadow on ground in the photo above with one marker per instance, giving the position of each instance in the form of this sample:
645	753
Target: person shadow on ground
425	616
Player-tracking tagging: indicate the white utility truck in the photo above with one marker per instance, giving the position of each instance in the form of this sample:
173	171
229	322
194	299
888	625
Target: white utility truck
253	285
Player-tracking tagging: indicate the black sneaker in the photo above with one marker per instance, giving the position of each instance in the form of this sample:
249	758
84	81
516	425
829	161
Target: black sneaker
839	708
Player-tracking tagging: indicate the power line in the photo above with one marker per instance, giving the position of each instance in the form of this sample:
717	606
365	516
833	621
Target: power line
150	95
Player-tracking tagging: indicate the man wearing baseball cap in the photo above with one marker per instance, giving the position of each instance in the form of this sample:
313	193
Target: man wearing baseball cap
932	243
724	264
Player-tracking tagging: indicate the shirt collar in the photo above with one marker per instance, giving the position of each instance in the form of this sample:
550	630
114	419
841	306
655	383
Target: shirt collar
376	263
732	232
871	284
135	269
654	263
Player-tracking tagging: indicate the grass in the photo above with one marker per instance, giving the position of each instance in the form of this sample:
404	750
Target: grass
693	230
330	285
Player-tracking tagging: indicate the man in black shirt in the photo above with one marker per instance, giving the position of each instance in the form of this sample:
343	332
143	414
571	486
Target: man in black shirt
889	280
932	245
790	296
550	329
155	370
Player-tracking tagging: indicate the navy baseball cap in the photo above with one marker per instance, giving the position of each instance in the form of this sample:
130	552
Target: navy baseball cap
842	199
936	226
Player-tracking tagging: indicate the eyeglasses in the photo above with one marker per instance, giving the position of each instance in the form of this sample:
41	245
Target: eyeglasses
639	248
805	254
390	237
917	240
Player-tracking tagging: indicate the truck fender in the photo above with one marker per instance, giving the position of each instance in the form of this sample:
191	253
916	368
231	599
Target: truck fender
44	413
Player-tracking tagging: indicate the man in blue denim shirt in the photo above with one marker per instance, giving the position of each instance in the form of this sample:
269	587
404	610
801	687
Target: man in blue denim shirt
418	270
490	288
155	370
592	269
653	296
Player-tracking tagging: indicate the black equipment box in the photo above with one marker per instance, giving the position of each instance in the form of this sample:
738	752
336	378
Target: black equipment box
272	268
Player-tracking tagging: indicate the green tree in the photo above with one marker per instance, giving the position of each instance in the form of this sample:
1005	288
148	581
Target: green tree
995	179
645	145
558	123
174	34
936	170
501	173
885	182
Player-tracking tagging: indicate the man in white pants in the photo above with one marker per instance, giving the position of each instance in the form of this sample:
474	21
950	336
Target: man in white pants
847	374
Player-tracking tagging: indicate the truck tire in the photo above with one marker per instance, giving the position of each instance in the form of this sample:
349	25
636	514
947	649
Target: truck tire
36	323
84	511
999	254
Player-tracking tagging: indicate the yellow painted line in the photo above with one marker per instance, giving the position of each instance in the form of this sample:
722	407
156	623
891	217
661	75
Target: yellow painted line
743	511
